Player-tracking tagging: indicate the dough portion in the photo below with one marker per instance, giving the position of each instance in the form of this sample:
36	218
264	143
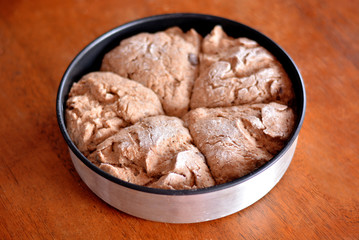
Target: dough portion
166	62
155	152
102	103
237	140
238	71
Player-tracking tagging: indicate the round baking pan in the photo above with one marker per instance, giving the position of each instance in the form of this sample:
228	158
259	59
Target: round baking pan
179	206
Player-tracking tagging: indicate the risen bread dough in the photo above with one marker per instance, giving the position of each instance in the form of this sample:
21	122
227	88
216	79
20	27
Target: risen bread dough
165	61
102	103
155	152
237	140
240	115
238	71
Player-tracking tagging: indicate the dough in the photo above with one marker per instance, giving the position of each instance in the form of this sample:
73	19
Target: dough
130	126
155	152
102	103
238	71
237	140
165	61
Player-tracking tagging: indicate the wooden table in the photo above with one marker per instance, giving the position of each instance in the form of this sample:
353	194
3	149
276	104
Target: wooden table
41	195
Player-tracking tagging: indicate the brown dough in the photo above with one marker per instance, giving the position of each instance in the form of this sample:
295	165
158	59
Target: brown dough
164	61
102	103
155	152
238	71
239	120
237	140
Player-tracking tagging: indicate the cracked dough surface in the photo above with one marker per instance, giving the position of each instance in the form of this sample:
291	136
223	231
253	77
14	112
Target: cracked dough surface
238	71
164	61
155	152
236	140
234	98
102	103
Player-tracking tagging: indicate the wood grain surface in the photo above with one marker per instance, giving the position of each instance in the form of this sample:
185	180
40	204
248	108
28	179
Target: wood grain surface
42	196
